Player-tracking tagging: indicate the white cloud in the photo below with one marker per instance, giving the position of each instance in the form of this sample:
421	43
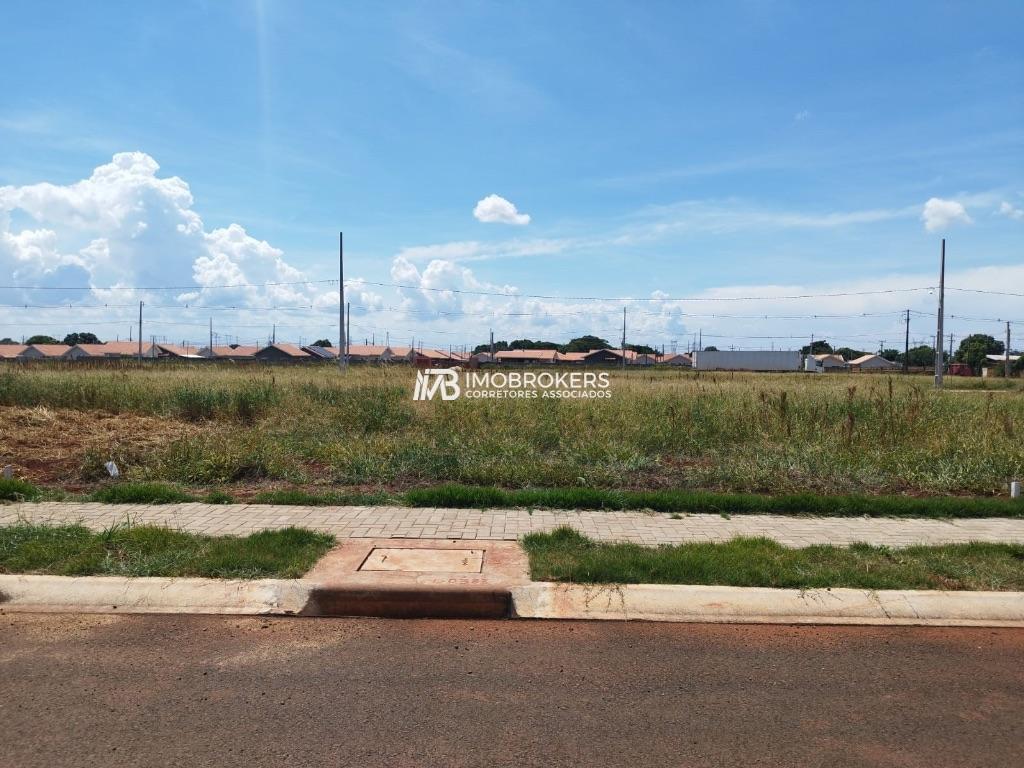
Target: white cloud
939	214
800	116
495	209
1005	209
126	225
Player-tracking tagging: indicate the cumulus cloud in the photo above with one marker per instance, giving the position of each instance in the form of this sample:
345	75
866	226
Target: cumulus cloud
939	214
125	225
495	209
1006	209
126	230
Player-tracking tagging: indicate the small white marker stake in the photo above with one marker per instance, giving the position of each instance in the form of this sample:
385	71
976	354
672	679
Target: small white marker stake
1015	489
112	469
8	472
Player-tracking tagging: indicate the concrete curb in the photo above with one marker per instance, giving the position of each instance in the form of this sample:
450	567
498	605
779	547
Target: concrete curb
116	594
632	602
755	605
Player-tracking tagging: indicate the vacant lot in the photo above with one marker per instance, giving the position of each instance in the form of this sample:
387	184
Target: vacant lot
249	429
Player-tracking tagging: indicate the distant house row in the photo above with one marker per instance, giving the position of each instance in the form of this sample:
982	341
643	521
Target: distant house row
357	353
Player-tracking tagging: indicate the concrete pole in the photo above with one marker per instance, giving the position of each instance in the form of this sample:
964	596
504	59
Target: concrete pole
1006	369
939	365
343	341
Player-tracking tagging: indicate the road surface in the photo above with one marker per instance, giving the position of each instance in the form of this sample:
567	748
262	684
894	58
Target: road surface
196	691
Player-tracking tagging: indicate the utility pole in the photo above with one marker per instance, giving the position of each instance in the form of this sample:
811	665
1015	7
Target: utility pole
140	331
348	331
623	338
906	346
211	336
950	355
343	341
1006	368
939	367
492	345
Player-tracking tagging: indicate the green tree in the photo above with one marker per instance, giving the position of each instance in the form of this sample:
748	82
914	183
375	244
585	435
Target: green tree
321	343
585	344
81	338
920	357
821	347
7	340
499	346
528	344
40	339
642	349
972	350
892	355
711	348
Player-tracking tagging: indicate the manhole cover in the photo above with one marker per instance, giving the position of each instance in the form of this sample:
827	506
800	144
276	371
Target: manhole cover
424	560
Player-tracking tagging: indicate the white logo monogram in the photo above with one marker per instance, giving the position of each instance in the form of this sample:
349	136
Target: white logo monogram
432	380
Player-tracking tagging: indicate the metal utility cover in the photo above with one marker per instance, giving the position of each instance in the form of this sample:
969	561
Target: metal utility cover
424	560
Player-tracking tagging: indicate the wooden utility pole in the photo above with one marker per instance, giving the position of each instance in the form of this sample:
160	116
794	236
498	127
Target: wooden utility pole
939	366
140	331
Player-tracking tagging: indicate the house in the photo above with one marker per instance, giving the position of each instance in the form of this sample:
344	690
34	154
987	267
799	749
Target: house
528	356
434	358
573	358
873	363
401	354
603	357
994	364
830	362
680	360
235	352
614	357
46	351
321	353
112	350
283	353
12	351
178	352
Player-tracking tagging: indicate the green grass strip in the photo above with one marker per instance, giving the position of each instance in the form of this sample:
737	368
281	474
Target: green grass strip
566	555
13	489
706	501
129	550
141	493
297	497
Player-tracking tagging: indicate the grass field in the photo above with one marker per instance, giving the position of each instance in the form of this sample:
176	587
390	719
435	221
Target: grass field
129	550
257	430
566	555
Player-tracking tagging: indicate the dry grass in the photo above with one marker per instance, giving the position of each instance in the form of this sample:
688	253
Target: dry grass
259	427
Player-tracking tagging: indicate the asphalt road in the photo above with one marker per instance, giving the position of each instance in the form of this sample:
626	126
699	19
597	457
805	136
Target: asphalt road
197	691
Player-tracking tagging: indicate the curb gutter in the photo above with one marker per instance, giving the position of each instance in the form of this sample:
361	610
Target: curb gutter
539	600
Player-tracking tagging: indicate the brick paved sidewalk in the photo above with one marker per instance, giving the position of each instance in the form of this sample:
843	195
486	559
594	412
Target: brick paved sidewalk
428	523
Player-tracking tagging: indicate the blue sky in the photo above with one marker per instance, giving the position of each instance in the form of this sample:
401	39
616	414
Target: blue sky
696	149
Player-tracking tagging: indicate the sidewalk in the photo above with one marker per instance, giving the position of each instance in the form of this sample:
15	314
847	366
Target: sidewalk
509	524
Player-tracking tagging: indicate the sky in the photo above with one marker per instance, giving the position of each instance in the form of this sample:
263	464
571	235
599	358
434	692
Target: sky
530	168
